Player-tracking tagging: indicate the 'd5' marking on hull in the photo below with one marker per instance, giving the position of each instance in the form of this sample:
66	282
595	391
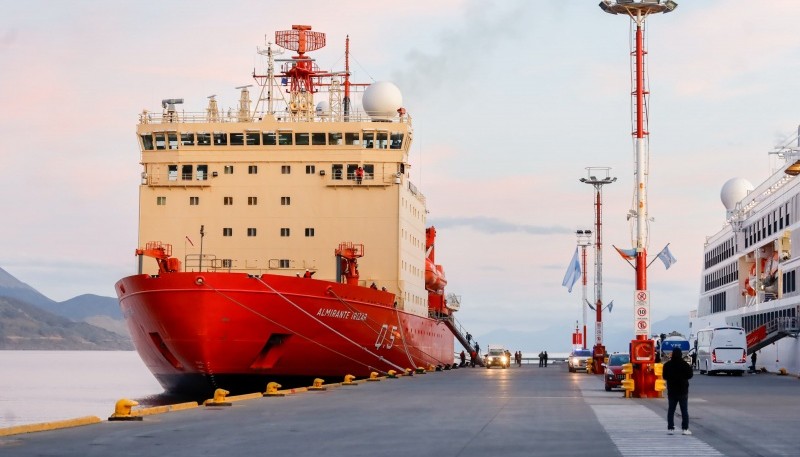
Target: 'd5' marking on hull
382	336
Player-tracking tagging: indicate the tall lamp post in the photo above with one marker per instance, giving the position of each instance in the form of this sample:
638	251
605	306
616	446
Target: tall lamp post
584	240
642	349
598	177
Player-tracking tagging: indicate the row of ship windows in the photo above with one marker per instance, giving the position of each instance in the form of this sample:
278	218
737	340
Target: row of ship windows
720	253
753	321
227	201
338	171
370	140
721	277
284	231
768	225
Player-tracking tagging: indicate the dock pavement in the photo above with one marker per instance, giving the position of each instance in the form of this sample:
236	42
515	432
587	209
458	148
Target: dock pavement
520	411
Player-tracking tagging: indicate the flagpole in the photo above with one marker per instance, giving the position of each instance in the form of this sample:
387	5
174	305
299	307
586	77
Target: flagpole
584	240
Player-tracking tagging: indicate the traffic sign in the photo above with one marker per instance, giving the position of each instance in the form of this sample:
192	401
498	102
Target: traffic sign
641	312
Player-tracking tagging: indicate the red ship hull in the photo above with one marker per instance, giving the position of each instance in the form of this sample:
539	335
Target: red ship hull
200	331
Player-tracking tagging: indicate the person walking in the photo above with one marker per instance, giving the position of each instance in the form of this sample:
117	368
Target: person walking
677	374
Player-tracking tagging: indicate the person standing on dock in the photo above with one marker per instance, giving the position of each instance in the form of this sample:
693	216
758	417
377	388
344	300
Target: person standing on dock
463	358
541	358
753	359
677	374
545	359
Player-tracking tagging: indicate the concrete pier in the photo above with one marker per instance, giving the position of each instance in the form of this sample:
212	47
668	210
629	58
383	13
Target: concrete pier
466	412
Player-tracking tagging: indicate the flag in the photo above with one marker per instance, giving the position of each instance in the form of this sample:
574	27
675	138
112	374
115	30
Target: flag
611	306
666	257
573	272
190	241
627	254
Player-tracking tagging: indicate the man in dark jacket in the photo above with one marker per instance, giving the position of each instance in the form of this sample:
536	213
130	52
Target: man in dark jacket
677	374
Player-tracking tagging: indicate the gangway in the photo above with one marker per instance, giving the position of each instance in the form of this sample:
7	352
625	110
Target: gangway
459	332
771	332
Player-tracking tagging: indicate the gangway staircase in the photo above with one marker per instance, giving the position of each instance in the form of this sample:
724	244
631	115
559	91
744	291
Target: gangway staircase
771	332
460	333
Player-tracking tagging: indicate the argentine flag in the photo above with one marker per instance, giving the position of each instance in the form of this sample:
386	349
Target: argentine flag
573	272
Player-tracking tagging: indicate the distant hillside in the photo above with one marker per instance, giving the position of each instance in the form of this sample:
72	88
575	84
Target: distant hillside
558	339
24	326
103	312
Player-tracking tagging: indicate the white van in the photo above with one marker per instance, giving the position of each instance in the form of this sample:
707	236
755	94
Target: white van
722	349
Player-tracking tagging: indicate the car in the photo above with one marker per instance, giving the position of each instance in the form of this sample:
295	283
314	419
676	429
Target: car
497	357
577	360
613	375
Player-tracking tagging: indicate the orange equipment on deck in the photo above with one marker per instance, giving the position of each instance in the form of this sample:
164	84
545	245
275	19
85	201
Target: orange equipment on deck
348	253
435	279
163	255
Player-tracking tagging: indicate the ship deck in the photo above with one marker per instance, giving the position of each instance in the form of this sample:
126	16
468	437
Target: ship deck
465	412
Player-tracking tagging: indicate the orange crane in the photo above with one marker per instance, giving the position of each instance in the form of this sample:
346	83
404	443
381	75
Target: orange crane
163	255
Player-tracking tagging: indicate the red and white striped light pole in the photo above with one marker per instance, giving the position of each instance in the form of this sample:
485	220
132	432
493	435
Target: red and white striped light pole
642	349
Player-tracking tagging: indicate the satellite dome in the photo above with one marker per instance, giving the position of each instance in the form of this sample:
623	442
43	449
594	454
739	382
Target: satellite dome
733	191
381	100
323	108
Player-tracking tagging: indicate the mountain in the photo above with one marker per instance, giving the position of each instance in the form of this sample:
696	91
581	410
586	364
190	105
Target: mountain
101	312
559	340
25	326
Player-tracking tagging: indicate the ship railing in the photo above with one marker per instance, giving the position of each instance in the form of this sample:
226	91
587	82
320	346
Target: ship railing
176	179
183	117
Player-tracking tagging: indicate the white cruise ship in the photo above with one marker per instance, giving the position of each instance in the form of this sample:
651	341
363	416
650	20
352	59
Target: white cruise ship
750	266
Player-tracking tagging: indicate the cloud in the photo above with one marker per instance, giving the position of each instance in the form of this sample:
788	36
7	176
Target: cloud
495	226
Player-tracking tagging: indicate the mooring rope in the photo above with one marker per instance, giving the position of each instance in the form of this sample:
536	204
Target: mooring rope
292	331
380	357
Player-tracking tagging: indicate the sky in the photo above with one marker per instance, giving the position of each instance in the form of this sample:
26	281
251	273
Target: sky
511	101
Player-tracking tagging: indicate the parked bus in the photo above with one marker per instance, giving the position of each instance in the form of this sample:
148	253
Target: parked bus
722	349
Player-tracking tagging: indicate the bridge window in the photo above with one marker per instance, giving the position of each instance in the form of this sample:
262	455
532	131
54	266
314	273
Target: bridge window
220	139
334	138
285	138
237	139
172	172
352	139
203	139
318	139
186	172
383	140
369	139
269	138
202	172
187	139
336	171
396	140
161	142
147	142
252	138
301	139
172	138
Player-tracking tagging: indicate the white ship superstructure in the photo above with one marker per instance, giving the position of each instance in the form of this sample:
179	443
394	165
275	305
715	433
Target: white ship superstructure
750	266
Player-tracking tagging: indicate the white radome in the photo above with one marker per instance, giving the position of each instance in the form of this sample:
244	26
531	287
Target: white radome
733	191
323	108
381	100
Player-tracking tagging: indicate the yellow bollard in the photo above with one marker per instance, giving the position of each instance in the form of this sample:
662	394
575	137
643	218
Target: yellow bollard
318	385
408	372
272	390
373	376
627	383
348	380
420	370
391	374
219	399
661	385
122	411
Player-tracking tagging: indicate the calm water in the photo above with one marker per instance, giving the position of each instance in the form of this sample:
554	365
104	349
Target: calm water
42	386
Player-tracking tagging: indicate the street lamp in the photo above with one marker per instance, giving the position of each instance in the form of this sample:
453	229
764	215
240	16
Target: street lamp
598	177
642	349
